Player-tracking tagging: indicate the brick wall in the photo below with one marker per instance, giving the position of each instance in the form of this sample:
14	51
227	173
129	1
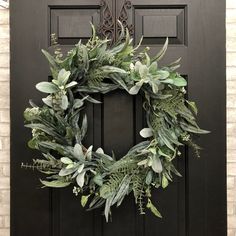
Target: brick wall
231	114
231	118
4	124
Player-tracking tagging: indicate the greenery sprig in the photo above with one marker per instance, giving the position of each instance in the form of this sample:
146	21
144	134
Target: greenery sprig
60	125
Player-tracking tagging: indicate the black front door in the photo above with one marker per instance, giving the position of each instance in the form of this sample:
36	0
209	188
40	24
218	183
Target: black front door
194	205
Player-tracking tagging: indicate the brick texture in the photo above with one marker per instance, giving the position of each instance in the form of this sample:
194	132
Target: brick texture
231	114
4	125
4	119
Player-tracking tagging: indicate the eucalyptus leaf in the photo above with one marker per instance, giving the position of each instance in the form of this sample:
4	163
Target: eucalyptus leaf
149	176
153	209
97	179
84	200
164	181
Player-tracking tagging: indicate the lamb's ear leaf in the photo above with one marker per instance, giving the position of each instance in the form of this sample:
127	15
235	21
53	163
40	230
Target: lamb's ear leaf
107	210
63	76
78	103
71	84
156	164
180	81
93	31
92	100
47	101
162	52
193	106
84	127
80	179
66	160
135	89
55	183
97	179
46	87
146	133
65	171
78	151
122	31
64	102
50	59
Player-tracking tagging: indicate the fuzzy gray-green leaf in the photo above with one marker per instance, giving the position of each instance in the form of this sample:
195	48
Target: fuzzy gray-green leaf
47	87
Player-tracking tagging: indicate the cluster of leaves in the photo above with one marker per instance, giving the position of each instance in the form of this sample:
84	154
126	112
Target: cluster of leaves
60	125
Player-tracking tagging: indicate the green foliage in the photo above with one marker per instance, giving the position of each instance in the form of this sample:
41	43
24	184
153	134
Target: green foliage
60	125
153	209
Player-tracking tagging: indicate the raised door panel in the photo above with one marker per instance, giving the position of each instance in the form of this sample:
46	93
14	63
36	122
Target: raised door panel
156	20
70	22
194	204
191	27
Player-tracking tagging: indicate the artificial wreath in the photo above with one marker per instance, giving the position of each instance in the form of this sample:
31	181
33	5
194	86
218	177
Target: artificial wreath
60	124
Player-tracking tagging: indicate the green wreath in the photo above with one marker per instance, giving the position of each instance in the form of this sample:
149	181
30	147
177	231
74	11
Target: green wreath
60	125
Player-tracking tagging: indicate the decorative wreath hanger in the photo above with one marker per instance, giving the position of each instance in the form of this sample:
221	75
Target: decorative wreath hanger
60	124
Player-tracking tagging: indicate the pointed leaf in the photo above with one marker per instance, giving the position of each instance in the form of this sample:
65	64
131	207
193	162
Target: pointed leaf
55	183
159	56
50	59
164	182
64	102
66	160
78	151
80	168
63	76
153	209
47	101
80	179
71	84
84	200
65	171
89	152
78	103
156	164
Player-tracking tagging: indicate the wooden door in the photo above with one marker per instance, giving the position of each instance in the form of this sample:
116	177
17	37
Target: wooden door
194	205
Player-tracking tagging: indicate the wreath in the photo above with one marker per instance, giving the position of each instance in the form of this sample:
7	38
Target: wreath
59	126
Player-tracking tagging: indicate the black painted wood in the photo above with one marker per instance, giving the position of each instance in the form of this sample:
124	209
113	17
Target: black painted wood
194	205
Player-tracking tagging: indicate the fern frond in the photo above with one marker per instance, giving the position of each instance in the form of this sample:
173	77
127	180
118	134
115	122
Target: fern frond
139	193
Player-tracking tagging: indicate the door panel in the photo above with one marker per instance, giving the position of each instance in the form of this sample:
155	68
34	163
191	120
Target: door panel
71	25
194	205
